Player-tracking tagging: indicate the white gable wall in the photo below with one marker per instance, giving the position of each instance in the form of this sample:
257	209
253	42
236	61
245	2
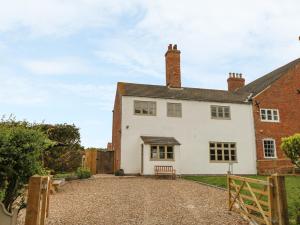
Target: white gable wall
194	130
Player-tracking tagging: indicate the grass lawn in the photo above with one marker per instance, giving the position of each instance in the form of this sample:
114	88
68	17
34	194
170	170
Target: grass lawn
292	187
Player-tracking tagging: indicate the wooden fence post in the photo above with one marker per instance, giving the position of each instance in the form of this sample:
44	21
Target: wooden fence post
44	192
228	188
33	202
279	203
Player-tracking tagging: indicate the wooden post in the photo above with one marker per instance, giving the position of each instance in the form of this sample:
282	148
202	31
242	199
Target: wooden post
33	202
228	188
279	204
271	205
44	192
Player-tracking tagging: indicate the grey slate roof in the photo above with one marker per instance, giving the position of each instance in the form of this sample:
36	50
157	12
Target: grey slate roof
263	82
209	95
196	94
159	140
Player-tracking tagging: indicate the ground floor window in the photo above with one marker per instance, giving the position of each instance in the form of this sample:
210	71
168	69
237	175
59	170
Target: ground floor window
222	151
269	148
162	152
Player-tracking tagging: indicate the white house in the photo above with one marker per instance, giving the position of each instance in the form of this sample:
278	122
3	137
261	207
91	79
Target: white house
197	131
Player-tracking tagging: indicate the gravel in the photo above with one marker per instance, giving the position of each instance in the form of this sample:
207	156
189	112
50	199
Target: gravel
147	201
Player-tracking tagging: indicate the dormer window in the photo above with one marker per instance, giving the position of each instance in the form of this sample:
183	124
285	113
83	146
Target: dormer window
269	115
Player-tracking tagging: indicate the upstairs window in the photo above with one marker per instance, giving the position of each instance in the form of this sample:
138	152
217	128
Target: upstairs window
220	112
174	109
222	151
162	152
269	115
146	108
269	148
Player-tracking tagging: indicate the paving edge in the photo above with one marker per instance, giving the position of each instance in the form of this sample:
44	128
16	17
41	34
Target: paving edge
205	184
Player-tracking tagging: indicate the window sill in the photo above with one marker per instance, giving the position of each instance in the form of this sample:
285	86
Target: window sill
270	158
169	160
211	161
270	121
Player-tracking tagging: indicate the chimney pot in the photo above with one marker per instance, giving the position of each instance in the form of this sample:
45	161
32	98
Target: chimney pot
175	47
235	81
170	47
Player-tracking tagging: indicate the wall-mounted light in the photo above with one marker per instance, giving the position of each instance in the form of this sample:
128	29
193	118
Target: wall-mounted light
127	127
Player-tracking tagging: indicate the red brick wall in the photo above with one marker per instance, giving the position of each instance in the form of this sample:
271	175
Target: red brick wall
281	95
116	129
173	76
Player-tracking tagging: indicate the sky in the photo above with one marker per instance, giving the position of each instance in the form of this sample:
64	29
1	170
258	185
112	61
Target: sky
60	60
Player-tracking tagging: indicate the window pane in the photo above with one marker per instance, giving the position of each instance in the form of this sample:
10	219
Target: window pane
153	152
212	144
220	155
174	109
214	111
269	114
161	152
226	112
220	112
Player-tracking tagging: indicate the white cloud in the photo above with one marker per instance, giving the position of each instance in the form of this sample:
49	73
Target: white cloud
19	91
57	17
58	66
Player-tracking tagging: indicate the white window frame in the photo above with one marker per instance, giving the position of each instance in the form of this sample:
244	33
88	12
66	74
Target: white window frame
223	112
174	112
144	102
275	151
272	114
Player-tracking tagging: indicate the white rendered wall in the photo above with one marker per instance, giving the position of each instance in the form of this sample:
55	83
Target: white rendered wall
194	130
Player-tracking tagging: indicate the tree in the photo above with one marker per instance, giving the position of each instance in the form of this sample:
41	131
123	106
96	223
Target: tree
291	147
20	157
66	154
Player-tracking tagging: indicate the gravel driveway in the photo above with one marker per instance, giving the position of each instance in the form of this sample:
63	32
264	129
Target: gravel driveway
120	201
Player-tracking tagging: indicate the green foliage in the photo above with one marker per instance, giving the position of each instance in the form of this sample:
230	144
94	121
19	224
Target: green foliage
291	147
20	157
66	155
66	176
83	173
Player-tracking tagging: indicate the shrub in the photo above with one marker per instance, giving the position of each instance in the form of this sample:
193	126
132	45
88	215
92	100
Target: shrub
20	157
119	172
83	173
66	155
291	147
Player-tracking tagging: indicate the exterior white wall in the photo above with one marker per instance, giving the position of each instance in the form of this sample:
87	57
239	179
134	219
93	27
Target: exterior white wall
194	130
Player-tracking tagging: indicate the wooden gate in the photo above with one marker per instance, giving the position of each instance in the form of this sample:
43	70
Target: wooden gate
105	162
262	202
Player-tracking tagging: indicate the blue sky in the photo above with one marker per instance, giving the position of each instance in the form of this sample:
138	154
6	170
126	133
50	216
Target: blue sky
60	59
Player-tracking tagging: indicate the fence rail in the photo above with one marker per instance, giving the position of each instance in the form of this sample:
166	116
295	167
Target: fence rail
262	202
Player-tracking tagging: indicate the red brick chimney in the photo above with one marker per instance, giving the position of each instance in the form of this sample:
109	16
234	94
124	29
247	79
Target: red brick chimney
173	76
235	81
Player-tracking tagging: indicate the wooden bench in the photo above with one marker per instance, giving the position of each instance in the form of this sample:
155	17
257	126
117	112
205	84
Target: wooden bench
55	184
165	171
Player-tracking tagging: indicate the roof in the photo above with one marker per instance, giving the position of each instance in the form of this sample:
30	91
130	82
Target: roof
265	81
193	94
159	140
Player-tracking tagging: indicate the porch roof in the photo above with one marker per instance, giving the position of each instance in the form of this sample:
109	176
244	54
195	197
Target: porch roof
151	140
